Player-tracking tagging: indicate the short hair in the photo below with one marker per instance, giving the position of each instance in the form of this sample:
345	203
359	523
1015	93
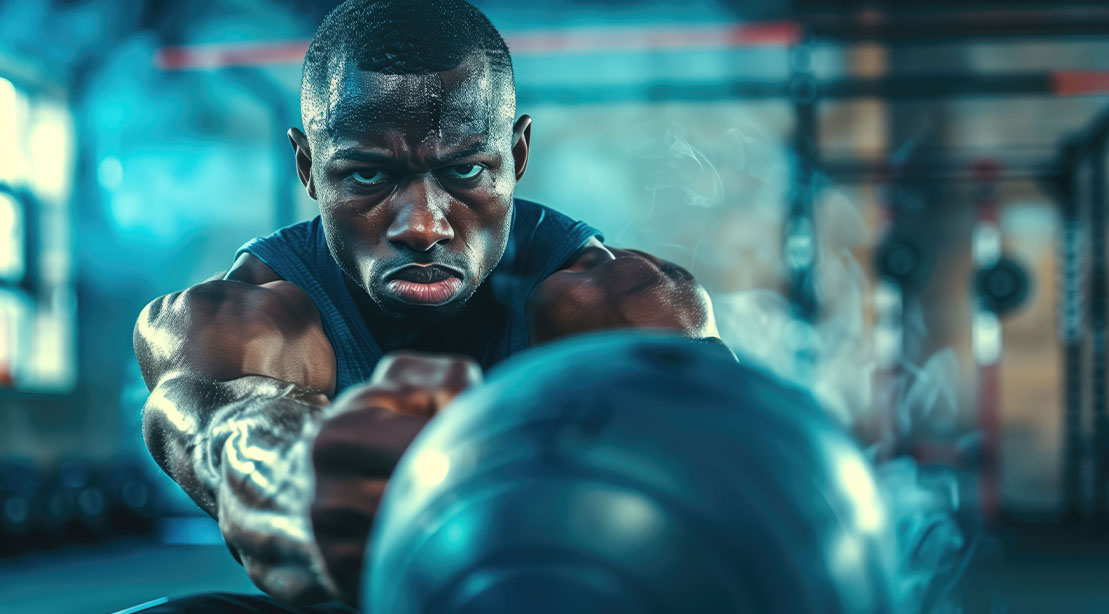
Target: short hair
402	37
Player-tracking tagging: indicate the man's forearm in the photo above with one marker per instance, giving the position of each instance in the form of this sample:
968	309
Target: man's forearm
241	450
187	424
294	481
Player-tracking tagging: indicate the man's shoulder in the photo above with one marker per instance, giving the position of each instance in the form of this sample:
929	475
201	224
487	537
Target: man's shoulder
228	300
211	326
605	288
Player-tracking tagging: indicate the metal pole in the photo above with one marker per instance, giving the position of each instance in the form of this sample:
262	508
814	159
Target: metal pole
1099	403
1070	329
799	234
1075	188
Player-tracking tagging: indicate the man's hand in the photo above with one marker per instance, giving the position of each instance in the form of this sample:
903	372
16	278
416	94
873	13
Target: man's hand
607	288
364	434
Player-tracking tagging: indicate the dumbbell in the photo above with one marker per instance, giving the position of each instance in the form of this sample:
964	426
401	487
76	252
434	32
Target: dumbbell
19	482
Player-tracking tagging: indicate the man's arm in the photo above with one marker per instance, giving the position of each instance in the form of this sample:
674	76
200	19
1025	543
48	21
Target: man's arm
241	373
606	288
238	373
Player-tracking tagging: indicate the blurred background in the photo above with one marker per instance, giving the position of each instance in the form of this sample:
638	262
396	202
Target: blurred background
899	205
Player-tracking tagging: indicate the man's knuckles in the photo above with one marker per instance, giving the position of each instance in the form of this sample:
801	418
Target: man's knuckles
402	399
405	371
413	384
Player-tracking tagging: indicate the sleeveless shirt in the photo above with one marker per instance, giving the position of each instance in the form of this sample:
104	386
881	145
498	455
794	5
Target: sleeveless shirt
540	242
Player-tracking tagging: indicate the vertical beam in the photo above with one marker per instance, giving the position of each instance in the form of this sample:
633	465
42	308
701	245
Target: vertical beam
1071	322
1099	404
799	240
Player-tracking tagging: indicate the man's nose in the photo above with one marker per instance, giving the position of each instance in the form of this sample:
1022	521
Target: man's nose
420	222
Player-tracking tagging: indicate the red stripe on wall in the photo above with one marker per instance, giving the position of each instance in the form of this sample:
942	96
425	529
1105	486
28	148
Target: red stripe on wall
1079	82
227	55
591	41
522	43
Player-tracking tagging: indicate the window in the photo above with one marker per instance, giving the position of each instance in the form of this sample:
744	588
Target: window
37	314
12	244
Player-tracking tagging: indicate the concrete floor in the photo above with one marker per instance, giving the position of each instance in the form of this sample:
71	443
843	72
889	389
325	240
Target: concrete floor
1041	570
110	577
1027	570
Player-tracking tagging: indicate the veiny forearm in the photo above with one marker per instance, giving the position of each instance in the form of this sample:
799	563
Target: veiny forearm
187	424
241	450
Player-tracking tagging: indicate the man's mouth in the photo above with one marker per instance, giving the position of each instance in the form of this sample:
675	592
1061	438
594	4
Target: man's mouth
424	284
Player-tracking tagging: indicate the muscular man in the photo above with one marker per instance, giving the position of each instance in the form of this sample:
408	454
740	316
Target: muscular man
278	401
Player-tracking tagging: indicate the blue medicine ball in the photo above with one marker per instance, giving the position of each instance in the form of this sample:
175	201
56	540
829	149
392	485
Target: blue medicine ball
631	472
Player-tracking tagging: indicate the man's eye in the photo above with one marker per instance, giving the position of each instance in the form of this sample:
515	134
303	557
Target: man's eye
369	176
463	171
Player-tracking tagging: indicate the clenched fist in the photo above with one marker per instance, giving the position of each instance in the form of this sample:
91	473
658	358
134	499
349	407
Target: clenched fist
364	434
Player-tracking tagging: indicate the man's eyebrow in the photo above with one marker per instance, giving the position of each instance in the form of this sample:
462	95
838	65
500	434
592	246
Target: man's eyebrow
382	157
466	151
361	155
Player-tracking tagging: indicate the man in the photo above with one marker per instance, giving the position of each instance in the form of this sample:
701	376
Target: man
277	387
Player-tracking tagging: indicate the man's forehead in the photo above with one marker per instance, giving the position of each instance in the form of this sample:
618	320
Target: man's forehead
445	105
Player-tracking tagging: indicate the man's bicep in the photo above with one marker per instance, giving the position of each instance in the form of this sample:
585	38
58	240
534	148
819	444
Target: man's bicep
202	332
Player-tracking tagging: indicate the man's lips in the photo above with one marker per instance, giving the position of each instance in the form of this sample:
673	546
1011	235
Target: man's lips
424	284
423	274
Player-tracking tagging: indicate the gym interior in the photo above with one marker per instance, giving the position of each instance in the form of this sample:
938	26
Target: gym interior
899	207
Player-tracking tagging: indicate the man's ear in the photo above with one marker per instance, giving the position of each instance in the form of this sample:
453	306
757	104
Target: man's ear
303	160
521	144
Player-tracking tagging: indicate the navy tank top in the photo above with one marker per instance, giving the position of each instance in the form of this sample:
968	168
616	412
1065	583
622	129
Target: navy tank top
542	240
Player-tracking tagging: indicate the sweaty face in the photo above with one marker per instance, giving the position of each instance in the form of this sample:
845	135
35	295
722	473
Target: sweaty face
415	175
